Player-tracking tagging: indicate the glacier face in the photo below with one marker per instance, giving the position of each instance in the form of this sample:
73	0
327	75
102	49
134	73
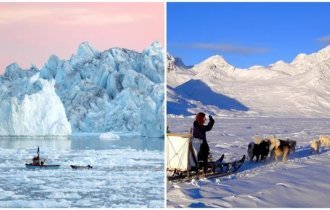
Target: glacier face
29	105
116	90
296	89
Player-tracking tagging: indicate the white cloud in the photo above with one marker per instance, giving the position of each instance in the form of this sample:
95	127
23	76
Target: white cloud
68	16
10	16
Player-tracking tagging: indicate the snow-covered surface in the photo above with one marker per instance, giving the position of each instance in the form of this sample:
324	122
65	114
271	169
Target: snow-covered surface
181	71
301	182
30	106
296	89
126	173
118	90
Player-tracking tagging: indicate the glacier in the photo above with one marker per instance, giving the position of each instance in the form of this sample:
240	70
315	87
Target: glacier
117	90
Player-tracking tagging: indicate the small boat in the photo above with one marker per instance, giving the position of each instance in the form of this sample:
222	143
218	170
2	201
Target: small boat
30	165
81	167
37	162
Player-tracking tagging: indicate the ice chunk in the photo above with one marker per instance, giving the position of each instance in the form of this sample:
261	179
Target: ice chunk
109	136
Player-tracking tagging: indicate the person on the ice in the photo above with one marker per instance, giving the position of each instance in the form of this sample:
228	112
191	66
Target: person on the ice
199	132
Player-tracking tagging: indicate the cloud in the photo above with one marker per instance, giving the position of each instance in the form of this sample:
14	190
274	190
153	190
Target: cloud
10	16
324	40
69	16
227	48
92	17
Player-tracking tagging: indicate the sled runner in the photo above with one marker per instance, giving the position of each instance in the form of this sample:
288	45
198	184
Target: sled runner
183	165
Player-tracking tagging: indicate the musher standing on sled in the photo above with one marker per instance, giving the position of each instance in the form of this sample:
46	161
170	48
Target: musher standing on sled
199	132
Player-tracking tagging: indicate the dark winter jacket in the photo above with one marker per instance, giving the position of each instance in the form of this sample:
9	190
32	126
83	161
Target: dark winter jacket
199	131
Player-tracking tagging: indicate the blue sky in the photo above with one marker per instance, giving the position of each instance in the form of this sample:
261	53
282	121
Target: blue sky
246	34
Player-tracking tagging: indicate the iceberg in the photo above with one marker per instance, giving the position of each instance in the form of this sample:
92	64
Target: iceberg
109	136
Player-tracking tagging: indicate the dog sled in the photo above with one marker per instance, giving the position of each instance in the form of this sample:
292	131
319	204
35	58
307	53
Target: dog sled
183	164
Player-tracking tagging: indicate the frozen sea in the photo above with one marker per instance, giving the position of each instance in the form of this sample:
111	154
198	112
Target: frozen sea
126	173
303	181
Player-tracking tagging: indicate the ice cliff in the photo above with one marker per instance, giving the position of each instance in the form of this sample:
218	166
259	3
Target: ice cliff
116	90
29	105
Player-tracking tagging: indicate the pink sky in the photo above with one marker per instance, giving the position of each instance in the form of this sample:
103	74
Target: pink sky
31	32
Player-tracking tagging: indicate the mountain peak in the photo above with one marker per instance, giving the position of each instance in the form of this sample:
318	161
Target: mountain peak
299	57
322	54
179	62
215	58
215	62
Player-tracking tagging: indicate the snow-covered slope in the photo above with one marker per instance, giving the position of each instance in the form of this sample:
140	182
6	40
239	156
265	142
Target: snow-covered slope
115	90
29	105
299	88
175	66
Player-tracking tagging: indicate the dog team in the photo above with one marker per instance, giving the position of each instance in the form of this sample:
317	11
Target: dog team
261	147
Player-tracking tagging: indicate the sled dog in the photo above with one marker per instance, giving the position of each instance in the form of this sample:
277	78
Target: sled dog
258	150
257	139
274	142
282	150
325	140
292	145
250	150
315	145
279	148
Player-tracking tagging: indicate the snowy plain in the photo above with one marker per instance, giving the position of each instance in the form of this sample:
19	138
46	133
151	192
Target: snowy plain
126	173
301	182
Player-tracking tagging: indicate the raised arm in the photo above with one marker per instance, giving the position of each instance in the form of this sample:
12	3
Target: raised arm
209	126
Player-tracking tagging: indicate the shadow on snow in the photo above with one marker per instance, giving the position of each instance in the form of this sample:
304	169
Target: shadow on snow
302	152
199	91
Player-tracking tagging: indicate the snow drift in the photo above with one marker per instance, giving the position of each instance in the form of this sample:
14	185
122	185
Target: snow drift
116	90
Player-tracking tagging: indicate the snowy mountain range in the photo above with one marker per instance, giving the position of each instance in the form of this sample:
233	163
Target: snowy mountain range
299	88
116	90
